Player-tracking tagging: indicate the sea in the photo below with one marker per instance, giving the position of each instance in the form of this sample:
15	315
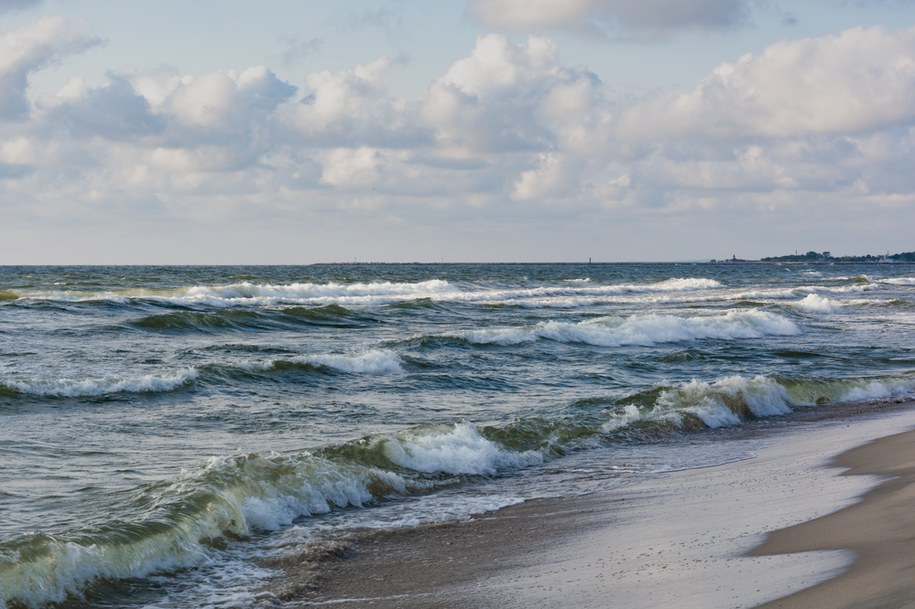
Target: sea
169	433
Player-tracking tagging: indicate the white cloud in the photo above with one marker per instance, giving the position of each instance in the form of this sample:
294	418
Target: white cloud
27	50
228	103
510	98
554	176
351	108
351	168
859	80
113	111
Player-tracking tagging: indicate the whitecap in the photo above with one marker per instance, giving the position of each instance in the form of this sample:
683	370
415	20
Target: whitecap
814	303
458	449
89	387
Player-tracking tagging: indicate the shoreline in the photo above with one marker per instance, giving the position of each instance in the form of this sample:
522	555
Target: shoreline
764	532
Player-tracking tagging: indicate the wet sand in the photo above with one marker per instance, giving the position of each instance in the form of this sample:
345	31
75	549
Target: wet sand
760	532
880	530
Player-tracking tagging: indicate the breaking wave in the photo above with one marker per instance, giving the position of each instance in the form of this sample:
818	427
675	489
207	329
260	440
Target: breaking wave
314	295
641	330
813	303
232	497
97	387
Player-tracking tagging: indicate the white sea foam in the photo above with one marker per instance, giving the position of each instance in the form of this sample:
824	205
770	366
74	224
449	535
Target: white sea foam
643	330
317	487
813	303
899	281
458	449
772	293
88	387
627	417
721	403
497	336
690	283
332	292
879	390
376	361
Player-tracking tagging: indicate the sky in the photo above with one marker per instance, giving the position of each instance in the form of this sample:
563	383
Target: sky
299	131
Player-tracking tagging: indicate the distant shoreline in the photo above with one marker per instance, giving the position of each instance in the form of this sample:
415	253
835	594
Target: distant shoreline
816	262
827	258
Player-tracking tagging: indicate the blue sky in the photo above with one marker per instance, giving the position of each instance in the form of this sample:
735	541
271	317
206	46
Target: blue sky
473	130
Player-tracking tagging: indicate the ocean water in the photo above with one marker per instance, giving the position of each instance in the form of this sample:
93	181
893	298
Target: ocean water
169	434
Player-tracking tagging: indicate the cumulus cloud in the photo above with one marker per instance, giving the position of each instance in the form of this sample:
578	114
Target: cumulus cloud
511	98
646	17
553	176
25	51
227	103
112	111
351	108
859	80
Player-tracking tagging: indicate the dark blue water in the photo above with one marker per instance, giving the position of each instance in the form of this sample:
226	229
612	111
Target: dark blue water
165	427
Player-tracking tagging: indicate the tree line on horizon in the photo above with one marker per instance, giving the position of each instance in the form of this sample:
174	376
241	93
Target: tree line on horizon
828	257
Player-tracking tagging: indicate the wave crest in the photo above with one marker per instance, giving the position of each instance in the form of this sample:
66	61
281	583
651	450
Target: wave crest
458	449
814	303
97	387
641	330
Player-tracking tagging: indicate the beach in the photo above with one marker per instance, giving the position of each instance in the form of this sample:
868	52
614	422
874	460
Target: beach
819	518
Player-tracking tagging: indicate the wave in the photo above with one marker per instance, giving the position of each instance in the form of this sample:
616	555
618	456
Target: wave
339	293
233	497
906	281
229	498
458	449
735	399
376	361
199	321
247	319
641	330
98	387
813	303
306	294
247	293
373	362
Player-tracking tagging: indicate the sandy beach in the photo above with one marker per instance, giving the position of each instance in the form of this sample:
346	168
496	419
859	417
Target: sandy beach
818	518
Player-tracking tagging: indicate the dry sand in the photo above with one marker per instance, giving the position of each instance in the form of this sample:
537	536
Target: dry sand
688	539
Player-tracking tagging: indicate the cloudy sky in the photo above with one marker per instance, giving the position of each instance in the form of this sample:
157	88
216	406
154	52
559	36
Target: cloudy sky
298	131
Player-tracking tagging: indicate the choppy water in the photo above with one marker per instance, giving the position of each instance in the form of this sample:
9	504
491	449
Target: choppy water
164	429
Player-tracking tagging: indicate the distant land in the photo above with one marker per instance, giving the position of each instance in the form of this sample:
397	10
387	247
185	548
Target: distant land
826	257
